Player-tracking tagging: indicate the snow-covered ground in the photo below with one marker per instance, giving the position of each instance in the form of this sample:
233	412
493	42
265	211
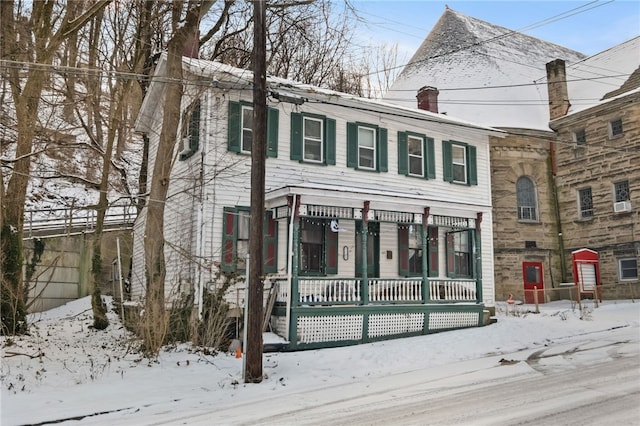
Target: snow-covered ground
65	370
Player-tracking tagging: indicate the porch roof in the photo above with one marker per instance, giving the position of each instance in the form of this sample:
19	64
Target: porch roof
382	198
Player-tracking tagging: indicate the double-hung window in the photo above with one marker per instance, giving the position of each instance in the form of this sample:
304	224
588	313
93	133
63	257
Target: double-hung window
236	235
410	253
416	155
585	203
459	163
628	268
459	254
318	253
240	129
366	147
621	190
526	199
190	131
615	128
313	138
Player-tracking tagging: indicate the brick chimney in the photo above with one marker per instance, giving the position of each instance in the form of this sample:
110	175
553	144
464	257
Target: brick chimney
192	46
428	98
557	89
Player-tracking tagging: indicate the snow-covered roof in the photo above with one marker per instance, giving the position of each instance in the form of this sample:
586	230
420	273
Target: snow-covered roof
600	77
485	73
228	77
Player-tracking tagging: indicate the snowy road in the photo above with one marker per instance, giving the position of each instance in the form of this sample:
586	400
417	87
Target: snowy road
592	381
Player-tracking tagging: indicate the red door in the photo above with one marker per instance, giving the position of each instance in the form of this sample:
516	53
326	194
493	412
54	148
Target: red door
532	276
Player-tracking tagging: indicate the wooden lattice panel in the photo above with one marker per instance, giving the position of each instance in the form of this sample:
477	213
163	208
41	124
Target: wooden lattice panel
390	324
446	320
279	325
330	328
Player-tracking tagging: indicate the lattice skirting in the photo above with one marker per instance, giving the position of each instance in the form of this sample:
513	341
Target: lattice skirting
279	325
330	328
390	324
448	320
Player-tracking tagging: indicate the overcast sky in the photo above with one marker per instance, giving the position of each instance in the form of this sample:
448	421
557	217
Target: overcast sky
586	26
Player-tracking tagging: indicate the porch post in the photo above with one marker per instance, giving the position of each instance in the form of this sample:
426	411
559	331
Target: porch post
426	298
294	242
478	254
365	231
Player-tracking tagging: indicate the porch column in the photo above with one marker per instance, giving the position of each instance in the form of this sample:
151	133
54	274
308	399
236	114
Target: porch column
365	232
426	298
478	254
292	296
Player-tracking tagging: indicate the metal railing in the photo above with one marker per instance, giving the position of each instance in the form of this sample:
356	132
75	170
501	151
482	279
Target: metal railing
69	220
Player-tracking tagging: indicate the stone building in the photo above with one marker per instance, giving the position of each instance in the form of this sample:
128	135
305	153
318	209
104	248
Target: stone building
597	162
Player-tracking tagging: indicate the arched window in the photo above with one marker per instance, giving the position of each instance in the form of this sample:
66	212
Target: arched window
527	200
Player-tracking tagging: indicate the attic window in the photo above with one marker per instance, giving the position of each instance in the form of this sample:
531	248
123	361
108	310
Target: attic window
615	127
579	137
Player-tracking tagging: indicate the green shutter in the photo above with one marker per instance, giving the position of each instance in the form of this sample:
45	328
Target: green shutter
270	243
228	255
273	116
451	266
447	161
382	150
352	145
432	248
403	250
194	127
296	136
473	167
233	127
403	154
430	160
331	250
330	141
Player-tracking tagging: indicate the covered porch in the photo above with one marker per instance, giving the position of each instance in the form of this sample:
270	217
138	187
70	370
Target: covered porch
366	267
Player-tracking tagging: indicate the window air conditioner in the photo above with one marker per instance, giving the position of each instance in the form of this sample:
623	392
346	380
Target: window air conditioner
622	206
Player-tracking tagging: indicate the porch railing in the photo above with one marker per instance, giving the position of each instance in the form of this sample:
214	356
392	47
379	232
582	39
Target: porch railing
340	291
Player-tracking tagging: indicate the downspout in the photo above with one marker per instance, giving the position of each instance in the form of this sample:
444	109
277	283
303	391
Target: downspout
290	258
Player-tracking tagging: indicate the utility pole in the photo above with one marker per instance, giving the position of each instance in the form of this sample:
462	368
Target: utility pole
253	343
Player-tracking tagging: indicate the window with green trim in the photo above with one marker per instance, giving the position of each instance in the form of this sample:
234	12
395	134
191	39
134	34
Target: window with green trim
190	131
318	253
366	147
459	254
459	163
240	128
416	155
410	254
235	240
313	138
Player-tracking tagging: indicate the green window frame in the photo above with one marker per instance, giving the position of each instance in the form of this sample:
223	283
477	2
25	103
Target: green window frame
459	163
318	247
239	129
190	131
309	131
367	147
460	254
235	240
416	155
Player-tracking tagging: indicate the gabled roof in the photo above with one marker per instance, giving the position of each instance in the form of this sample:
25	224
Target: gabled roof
603	76
229	78
485	73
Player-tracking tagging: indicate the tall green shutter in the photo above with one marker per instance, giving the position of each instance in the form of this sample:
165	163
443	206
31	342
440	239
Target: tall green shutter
447	161
382	150
403	154
270	243
403	250
432	248
330	141
472	164
352	145
295	148
331	247
233	127
451	253
273	116
430	162
228	252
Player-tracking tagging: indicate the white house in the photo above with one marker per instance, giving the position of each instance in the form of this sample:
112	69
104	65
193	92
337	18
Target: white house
337	165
